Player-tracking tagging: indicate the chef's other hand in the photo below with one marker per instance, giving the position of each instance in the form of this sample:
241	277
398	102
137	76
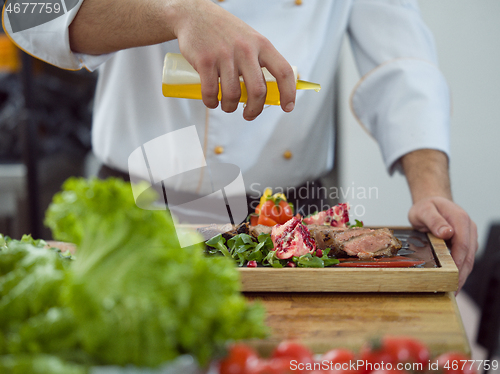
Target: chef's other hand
446	220
218	44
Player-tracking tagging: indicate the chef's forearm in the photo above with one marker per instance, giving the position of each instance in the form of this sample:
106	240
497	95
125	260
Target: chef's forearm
104	26
427	174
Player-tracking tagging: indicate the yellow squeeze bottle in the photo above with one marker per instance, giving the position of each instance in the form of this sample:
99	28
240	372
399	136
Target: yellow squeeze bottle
181	80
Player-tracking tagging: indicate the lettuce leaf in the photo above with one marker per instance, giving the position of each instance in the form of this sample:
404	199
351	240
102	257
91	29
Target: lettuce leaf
137	296
33	317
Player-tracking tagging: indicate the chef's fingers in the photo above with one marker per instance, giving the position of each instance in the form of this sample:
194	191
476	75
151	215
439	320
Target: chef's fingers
230	85
209	77
464	246
463	242
425	216
461	223
283	72
471	255
254	82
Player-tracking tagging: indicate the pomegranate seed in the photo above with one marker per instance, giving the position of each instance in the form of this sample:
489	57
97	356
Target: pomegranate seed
252	264
291	264
319	253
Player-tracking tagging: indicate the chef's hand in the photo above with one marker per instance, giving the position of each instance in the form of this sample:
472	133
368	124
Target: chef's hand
218	44
214	41
446	220
433	208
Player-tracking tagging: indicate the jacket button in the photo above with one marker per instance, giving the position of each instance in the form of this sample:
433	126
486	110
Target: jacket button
219	150
298	2
287	155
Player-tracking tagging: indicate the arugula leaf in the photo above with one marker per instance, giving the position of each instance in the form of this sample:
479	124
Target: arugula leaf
218	243
309	261
244	248
330	261
272	260
357	224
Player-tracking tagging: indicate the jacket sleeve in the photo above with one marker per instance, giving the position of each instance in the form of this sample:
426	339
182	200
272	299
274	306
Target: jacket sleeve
402	99
49	41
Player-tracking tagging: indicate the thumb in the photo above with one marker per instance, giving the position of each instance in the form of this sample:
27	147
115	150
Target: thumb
427	217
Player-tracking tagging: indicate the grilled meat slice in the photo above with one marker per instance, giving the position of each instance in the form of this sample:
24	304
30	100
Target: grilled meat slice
255	231
324	237
369	244
361	242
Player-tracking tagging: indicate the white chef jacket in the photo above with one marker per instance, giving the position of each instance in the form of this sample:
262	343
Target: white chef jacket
402	98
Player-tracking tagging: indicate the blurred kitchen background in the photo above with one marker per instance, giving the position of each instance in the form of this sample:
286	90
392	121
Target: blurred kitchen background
53	137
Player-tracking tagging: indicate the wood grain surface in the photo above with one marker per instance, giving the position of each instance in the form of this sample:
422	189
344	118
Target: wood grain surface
440	279
327	320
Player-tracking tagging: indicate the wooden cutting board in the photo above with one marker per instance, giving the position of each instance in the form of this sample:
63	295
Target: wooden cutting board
323	321
441	278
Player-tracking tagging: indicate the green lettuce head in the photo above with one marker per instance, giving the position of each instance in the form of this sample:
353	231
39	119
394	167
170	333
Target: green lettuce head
139	298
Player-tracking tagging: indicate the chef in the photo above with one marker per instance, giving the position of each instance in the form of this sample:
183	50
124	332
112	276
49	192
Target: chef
402	99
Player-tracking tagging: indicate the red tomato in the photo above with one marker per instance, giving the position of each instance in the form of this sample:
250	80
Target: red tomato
254	219
266	221
295	353
418	351
270	210
257	210
455	363
338	355
272	366
371	354
285	212
396	350
238	360
339	360
406	349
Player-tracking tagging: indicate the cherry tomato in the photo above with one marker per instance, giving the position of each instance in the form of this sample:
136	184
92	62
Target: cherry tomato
407	349
238	360
266	221
270	210
339	361
254	219
257	210
394	350
285	212
275	365
338	355
455	363
295	353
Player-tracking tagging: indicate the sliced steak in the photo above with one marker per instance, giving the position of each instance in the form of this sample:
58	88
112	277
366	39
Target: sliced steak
361	242
348	234
324	238
370	244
